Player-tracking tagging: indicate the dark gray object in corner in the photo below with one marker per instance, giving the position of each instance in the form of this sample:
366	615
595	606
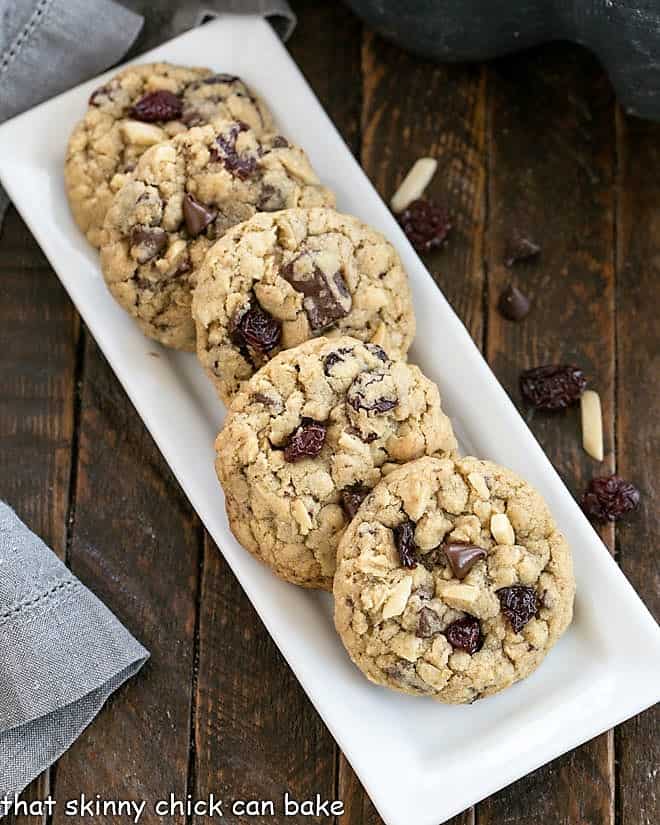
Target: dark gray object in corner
625	36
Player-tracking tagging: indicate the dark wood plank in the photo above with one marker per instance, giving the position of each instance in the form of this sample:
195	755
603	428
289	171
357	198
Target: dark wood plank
411	109
638	400
38	334
551	175
256	734
136	544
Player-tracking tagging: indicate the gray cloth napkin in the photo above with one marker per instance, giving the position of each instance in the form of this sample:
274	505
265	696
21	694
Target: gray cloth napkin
62	653
47	46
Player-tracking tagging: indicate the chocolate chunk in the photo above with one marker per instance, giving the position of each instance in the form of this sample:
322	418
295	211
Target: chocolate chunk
158	106
352	498
147	241
326	296
372	392
255	329
260	398
280	142
519	604
465	634
404	539
553	386
520	248
462	557
379	352
270	199
513	304
197	216
608	498
428	624
306	442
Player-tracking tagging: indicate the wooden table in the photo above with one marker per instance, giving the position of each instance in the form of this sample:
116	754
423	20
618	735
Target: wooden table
533	142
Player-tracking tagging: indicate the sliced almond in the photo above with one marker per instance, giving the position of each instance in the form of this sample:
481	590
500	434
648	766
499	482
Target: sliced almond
398	598
142	134
501	529
592	424
414	184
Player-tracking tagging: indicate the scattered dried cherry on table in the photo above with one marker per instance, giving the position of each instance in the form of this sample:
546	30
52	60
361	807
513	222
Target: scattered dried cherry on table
306	442
553	386
426	224
608	498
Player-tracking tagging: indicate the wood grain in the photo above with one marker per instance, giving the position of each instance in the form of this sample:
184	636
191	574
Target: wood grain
136	543
256	733
638	401
38	334
551	176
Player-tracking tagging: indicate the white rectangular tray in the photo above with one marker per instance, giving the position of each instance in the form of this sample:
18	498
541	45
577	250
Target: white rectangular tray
420	762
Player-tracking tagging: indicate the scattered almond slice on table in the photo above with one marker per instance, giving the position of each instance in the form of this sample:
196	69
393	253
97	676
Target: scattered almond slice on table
414	184
592	424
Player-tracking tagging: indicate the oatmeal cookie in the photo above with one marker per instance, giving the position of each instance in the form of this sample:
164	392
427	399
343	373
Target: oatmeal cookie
307	438
183	195
139	107
281	279
452	581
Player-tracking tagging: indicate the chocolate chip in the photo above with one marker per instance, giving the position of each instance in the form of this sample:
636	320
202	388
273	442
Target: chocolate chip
520	248
306	442
404	539
519	604
465	634
326	297
158	106
147	241
428	624
280	142
197	216
514	304
462	557
352	498
372	392
255	329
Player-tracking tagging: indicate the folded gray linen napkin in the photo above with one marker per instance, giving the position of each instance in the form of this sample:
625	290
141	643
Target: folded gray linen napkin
47	46
62	653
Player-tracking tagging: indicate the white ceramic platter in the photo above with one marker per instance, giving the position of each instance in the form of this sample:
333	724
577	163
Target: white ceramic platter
420	762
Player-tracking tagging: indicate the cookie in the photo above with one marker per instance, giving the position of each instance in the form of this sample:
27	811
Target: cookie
182	196
306	439
284	278
452	581
139	107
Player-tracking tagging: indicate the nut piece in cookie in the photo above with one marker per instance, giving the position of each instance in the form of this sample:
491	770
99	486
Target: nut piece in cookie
182	196
297	461
452	580
313	271
138	108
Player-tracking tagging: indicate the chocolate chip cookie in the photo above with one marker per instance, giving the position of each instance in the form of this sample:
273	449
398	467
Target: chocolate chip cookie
182	196
306	439
452	580
280	279
139	107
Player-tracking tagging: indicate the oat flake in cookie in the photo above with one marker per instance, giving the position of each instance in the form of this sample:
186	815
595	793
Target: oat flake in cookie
139	107
183	195
452	580
281	279
307	438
